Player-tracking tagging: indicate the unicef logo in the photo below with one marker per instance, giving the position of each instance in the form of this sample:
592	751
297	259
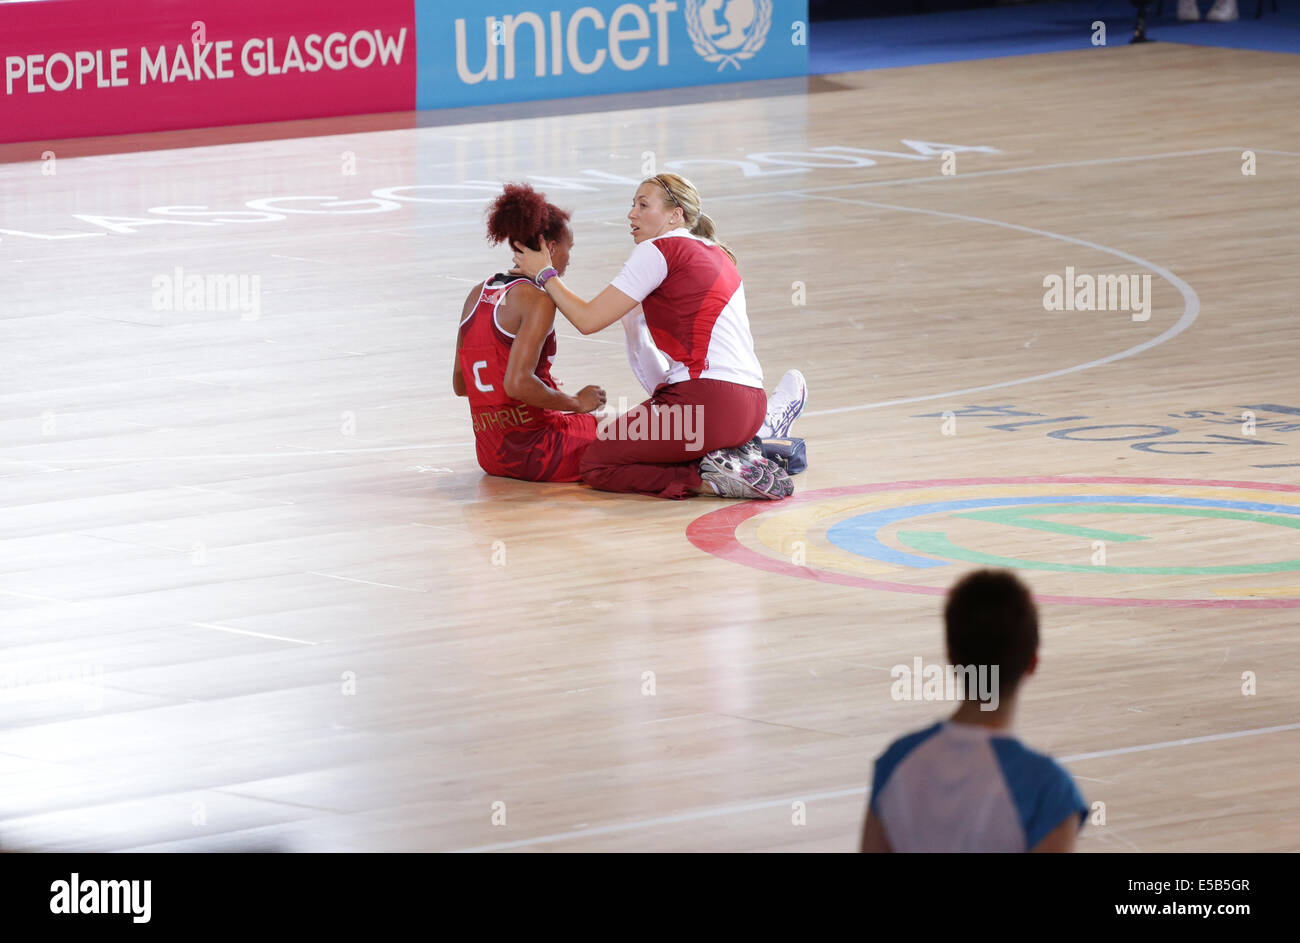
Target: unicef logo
726	31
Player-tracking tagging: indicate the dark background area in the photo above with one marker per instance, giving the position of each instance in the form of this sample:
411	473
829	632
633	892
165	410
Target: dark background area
854	9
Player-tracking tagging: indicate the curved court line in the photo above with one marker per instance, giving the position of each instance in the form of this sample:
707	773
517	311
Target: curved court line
715	534
1191	305
597	183
1191	308
784	802
860	534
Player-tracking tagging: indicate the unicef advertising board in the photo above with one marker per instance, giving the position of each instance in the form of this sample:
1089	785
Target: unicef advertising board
477	52
83	67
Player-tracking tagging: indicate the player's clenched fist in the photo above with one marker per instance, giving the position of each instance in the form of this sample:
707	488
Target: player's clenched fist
590	399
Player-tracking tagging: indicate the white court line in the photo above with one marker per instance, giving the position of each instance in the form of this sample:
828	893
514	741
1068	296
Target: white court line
663	820
231	455
133	543
226	628
1208	738
931	178
296	258
1191	306
353	579
838	794
454	530
1265	150
469	223
11	592
301	346
896	181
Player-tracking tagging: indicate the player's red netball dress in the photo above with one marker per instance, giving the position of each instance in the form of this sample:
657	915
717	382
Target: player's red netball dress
515	440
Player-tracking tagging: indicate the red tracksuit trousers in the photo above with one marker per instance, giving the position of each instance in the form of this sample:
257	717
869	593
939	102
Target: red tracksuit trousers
654	447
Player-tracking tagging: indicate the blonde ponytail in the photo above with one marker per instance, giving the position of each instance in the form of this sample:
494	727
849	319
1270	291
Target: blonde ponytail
705	229
677	191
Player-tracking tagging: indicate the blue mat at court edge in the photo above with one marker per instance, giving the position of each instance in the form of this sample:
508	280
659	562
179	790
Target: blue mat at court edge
888	42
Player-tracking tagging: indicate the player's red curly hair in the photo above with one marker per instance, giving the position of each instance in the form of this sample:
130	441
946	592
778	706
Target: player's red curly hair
521	214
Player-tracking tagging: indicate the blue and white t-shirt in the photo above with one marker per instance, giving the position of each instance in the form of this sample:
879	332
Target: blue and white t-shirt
963	787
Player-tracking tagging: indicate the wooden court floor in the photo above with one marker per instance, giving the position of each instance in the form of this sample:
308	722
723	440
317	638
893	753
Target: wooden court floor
256	592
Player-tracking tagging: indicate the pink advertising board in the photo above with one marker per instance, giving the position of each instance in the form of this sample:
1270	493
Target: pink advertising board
75	68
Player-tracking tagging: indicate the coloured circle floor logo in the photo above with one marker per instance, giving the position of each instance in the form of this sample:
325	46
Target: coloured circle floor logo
1078	540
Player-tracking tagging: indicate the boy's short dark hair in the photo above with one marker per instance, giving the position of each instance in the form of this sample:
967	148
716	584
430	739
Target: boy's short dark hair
990	619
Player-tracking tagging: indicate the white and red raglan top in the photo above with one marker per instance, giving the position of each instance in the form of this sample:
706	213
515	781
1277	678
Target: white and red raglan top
694	305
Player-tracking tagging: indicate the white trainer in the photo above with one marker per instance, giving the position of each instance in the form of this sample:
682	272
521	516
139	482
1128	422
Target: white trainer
784	405
1188	12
